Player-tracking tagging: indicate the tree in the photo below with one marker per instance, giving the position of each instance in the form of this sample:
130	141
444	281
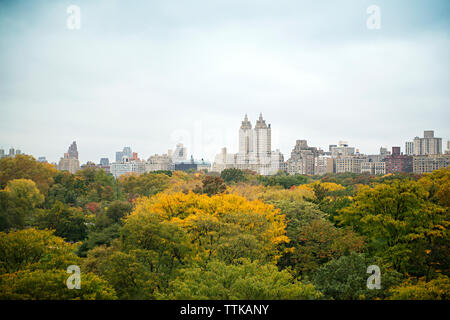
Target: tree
346	278
244	281
118	210
402	226
129	276
232	175
211	222
146	184
51	285
412	289
320	241
17	204
68	222
34	249
26	167
211	186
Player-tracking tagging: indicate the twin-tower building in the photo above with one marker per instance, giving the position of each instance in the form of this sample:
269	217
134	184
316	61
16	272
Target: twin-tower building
255	150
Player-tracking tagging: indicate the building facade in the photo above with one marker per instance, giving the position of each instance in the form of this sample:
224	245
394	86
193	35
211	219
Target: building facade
429	163
428	144
70	160
397	162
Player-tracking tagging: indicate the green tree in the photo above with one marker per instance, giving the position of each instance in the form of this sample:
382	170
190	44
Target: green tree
232	175
51	285
346	278
245	280
68	222
402	226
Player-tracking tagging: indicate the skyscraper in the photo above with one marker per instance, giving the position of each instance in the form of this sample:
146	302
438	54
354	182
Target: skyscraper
254	150
73	150
70	160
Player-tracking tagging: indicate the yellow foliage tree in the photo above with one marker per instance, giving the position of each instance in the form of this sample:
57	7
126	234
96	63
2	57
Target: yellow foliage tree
224	225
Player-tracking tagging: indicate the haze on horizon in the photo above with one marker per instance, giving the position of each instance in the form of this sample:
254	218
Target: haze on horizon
150	74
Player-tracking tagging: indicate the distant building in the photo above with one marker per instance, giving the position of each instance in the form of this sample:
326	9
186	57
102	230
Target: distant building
159	162
255	150
409	148
73	150
127	166
69	164
125	152
70	160
180	154
349	163
342	150
193	165
323	165
302	160
104	162
373	167
42	159
2	153
397	162
429	163
428	144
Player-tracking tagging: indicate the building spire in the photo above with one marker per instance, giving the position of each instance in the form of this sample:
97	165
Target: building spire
261	123
246	124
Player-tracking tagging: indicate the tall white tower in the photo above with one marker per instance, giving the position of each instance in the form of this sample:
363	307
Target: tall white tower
245	137
262	141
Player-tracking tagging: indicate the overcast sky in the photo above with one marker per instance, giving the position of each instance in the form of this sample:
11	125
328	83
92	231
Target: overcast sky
148	74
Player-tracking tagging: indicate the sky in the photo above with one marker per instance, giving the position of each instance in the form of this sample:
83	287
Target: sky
150	74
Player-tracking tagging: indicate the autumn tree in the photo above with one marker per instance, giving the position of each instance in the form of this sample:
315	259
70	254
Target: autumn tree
211	185
402	226
18	202
26	167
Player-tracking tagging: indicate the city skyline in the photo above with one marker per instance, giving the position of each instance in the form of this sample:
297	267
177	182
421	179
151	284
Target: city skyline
131	152
144	75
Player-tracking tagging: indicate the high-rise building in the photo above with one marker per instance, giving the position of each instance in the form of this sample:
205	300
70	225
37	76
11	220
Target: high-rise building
254	150
70	160
397	162
428	144
73	150
104	162
125	152
180	153
2	153
323	164
159	162
302	160
409	148
342	150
